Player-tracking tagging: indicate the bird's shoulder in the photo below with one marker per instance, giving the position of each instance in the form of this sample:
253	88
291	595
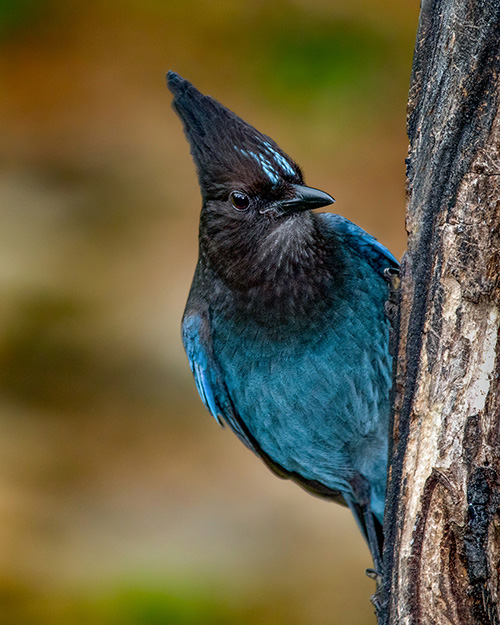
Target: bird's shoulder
358	241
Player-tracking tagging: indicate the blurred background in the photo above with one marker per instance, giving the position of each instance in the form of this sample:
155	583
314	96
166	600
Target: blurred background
121	500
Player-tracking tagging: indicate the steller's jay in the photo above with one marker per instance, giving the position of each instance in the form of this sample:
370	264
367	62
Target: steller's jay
285	326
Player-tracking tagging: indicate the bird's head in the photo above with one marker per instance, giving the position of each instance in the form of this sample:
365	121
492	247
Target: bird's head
244	176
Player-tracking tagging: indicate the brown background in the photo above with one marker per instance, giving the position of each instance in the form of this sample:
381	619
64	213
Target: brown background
121	501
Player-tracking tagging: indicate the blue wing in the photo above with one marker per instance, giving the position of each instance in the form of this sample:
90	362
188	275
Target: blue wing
207	375
360	241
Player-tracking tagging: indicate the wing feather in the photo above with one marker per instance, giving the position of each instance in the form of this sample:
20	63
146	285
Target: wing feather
208	376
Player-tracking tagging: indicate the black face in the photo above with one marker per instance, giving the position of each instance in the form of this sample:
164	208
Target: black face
250	208
237	219
272	201
245	203
256	202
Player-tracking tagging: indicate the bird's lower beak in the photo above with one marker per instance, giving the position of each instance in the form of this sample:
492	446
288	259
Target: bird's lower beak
304	198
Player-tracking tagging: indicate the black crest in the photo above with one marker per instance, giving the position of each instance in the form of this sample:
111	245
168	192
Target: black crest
223	145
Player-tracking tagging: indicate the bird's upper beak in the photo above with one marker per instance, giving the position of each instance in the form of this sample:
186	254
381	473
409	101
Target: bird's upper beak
302	199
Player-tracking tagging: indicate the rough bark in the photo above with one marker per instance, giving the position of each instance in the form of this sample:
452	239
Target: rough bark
442	552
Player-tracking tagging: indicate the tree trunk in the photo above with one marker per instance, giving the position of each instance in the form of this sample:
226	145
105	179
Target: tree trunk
442	552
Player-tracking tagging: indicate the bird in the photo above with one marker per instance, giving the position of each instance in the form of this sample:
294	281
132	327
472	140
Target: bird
286	327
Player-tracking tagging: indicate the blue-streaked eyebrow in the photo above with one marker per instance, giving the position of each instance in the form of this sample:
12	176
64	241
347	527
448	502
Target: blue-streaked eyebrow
280	159
264	164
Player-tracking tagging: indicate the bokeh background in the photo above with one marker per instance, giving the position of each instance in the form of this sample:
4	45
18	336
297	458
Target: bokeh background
121	501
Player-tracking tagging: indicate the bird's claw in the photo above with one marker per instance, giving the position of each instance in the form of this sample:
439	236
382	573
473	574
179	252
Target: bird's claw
392	276
378	598
375	575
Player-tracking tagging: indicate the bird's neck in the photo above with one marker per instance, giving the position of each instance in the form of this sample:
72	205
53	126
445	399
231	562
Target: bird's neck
284	271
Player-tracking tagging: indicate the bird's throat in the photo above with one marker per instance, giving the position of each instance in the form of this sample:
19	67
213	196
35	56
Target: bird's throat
288	271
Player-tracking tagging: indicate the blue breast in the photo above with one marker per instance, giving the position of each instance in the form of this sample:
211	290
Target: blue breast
317	402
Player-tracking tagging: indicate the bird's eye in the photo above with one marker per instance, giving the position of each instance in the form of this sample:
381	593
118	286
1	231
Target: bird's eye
239	200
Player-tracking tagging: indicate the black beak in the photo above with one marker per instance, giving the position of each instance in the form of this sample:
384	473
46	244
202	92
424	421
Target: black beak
303	199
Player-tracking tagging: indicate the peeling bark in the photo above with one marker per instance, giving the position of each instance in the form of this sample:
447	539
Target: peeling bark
442	552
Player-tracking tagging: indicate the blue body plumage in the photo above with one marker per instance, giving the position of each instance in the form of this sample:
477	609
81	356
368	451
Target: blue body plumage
285	326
